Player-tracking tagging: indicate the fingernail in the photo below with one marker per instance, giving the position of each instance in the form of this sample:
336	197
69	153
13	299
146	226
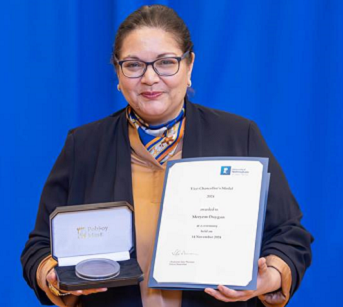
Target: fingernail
79	291
104	289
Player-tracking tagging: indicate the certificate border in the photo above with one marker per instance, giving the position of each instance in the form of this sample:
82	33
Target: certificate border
260	223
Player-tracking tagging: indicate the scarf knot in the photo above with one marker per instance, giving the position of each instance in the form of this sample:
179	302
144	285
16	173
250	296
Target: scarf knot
160	140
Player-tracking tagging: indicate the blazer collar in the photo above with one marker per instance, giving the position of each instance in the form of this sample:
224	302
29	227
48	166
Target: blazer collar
192	142
123	177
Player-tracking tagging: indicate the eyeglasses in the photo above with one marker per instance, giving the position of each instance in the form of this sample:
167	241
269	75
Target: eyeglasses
164	67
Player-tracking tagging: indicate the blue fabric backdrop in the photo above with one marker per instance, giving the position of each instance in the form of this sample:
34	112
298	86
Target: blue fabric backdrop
278	62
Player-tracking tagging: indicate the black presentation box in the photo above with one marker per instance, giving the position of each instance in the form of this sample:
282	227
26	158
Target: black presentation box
82	232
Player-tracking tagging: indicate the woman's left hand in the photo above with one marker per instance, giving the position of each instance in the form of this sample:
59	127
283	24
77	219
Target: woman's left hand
268	280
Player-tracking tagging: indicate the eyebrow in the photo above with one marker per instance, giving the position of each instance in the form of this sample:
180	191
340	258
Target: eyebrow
162	55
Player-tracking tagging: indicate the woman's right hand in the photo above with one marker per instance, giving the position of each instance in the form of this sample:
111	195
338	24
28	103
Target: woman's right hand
52	279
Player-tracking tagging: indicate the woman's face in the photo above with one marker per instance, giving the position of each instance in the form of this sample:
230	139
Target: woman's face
154	98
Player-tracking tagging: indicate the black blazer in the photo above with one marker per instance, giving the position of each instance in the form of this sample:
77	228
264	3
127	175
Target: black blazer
95	166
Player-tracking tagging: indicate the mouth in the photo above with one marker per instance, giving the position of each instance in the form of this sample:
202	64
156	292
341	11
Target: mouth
151	95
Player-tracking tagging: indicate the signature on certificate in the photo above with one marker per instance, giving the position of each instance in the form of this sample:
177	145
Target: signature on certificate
182	252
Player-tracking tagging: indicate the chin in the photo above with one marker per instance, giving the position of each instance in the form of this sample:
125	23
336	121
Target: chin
153	109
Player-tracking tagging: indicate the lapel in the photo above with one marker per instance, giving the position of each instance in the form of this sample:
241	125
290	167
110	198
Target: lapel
108	172
123	177
122	189
192	143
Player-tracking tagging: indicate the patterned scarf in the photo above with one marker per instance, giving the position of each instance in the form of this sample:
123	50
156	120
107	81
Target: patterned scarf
160	140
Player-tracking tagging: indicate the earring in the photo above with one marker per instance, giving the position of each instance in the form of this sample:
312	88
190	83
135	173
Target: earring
189	84
118	88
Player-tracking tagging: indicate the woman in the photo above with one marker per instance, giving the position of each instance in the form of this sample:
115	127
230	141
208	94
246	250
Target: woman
122	157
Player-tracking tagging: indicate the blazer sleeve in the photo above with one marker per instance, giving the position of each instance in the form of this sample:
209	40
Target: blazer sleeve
283	236
55	193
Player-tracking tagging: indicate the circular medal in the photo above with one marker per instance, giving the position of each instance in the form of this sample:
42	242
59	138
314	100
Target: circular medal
97	269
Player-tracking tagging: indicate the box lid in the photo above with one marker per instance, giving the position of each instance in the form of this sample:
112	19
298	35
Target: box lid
82	232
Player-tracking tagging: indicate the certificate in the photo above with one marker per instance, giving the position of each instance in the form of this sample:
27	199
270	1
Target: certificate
210	224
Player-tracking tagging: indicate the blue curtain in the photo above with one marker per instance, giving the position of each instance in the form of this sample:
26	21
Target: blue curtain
277	62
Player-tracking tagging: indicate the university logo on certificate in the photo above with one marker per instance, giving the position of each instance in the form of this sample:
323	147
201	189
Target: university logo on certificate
210	224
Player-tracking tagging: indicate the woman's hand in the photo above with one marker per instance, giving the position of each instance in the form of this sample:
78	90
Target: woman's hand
52	279
268	280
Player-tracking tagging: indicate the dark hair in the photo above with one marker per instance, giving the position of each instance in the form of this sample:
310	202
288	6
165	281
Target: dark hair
154	16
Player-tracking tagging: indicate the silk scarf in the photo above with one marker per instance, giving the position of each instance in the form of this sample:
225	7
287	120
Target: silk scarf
159	140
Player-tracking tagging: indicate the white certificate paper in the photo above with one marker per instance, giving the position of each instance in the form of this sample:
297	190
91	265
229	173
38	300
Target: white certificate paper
210	223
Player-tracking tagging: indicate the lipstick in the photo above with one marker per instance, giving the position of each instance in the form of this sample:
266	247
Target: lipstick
151	94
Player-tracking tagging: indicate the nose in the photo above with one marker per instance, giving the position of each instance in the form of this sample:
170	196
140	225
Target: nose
150	77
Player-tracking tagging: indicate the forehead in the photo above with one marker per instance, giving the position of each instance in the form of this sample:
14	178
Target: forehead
146	43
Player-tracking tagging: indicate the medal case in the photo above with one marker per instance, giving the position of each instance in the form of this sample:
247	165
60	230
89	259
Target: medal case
93	231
